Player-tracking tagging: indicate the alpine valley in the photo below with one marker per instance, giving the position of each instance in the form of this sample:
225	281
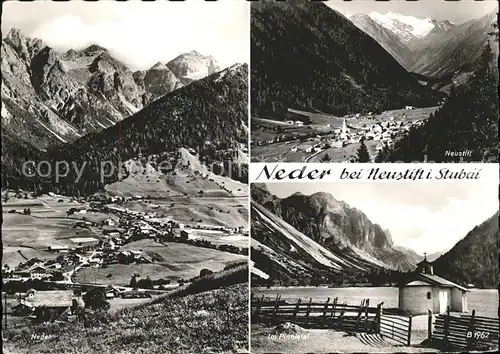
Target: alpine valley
371	87
63	103
319	237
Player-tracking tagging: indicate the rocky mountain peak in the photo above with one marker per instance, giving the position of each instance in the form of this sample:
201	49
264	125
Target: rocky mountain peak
94	49
192	66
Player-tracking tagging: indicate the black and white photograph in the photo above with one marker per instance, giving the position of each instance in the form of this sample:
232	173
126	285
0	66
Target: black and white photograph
374	267
374	81
125	177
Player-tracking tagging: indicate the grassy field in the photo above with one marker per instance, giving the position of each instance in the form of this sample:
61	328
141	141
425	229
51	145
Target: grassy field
485	302
39	232
342	154
12	255
228	211
210	322
188	179
177	261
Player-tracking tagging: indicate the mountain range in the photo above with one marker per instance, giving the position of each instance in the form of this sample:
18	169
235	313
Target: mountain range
306	235
208	115
319	226
84	106
308	56
438	52
51	97
409	28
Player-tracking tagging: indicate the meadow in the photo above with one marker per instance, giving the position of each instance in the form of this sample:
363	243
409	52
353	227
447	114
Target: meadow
173	261
208	322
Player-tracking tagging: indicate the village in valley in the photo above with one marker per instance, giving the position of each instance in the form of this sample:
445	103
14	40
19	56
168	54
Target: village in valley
325	138
84	246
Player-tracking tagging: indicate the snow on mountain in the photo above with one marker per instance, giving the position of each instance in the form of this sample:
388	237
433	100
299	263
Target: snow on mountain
406	27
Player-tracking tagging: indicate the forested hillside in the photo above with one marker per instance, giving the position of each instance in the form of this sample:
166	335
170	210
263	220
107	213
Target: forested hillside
207	115
474	259
468	120
307	56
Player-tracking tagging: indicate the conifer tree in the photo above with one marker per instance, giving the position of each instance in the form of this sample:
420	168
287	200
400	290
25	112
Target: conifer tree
362	154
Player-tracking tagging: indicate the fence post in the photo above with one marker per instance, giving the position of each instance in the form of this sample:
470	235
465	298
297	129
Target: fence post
447	325
332	316
325	310
470	340
294	317
379	317
341	316
259	304
409	331
429	324
276	306
360	312
308	311
366	314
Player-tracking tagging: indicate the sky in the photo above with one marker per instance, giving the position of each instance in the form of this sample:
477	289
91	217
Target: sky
454	11
138	33
425	217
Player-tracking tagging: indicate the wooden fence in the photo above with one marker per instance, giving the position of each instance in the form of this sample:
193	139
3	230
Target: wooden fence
333	315
311	314
469	332
398	328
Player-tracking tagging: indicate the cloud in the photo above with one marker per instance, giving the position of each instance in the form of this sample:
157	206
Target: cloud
138	33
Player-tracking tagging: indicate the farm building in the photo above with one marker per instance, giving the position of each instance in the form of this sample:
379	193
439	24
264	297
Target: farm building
184	235
55	300
426	291
57	248
85	240
36	271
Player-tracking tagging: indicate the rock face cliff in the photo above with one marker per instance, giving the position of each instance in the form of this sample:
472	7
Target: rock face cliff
52	97
337	226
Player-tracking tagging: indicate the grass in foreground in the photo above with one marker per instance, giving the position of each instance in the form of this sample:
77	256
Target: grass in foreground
210	322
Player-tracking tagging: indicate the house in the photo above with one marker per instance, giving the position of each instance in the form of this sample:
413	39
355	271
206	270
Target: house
409	107
36	271
57	248
54	265
55	300
109	222
425	291
109	245
299	123
112	292
184	235
95	262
